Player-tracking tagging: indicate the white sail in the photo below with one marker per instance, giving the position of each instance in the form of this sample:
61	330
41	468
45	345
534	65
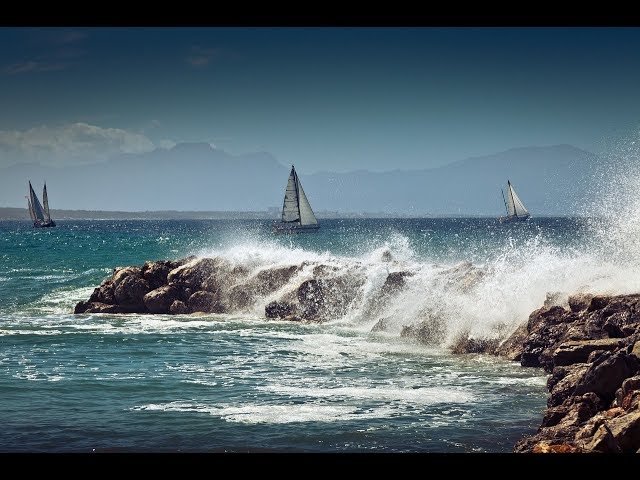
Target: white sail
290	208
31	213
35	204
306	214
514	204
45	201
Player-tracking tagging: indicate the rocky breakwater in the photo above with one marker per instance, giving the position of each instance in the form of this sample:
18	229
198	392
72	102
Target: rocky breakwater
591	348
304	292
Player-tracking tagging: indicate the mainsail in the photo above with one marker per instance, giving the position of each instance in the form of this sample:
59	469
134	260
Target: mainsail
45	201
36	206
515	207
296	207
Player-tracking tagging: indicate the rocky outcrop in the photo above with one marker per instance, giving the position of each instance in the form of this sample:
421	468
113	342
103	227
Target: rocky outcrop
215	285
592	352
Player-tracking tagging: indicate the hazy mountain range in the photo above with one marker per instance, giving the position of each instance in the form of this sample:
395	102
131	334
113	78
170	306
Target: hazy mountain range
553	180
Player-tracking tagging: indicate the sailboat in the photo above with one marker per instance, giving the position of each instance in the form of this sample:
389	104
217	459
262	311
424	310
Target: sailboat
297	215
516	211
40	216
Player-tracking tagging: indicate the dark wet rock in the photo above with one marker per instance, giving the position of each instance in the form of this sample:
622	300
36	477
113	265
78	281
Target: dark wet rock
178	307
193	273
606	376
130	291
120	273
570	352
431	331
97	307
279	310
511	348
579	302
465	344
311	298
155	273
205	302
562	383
161	299
104	293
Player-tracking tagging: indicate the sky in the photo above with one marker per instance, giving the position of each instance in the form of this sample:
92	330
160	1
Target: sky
323	98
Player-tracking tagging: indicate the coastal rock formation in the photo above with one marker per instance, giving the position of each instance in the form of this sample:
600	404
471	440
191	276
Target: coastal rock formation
592	351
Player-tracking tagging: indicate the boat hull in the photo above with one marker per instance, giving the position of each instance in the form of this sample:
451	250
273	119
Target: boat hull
513	218
44	224
285	229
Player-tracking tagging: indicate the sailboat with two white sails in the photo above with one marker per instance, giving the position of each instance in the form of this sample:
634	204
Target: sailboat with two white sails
516	211
297	216
40	215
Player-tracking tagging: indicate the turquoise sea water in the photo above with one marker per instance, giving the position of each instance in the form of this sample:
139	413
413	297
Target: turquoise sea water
239	382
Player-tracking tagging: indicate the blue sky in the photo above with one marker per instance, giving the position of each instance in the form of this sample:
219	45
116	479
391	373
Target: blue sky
336	99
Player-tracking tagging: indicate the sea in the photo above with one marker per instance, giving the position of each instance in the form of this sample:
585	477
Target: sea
239	382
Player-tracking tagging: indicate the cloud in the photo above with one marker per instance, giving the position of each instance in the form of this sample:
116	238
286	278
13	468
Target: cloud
33	66
201	57
167	144
72	144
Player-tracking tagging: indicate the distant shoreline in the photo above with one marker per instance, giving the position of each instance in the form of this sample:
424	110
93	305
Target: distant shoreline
13	213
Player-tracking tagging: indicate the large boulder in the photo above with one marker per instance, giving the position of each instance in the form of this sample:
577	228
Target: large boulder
104	293
161	299
130	291
568	353
178	307
279	310
155	273
207	302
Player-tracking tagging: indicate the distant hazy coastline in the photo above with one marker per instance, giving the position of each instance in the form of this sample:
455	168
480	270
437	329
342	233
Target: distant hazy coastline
12	213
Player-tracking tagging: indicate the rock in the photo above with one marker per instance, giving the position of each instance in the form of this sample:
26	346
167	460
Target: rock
279	310
511	348
161	299
563	383
579	302
555	299
568	353
311	298
130	291
630	384
626	431
104	293
193	273
605	377
155	273
544	447
97	307
602	441
635	351
120	273
598	302
178	307
394	282
464	344
429	332
207	302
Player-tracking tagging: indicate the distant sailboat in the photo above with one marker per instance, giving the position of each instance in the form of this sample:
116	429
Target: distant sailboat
40	216
516	211
297	215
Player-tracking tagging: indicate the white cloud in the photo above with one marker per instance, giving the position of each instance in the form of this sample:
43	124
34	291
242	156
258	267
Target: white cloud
167	144
76	143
